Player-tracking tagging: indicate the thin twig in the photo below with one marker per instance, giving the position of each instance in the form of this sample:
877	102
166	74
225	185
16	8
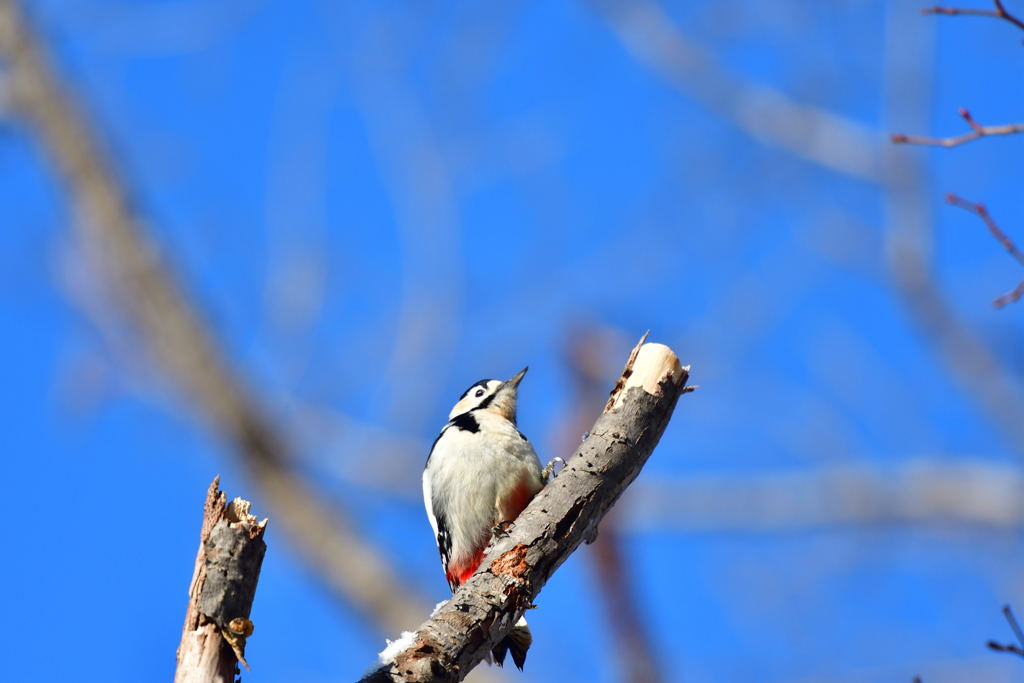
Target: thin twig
1008	613
966	355
1013	295
998	13
977	131
981	211
1010	647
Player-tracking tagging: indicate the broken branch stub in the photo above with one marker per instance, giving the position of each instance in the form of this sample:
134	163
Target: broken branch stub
227	569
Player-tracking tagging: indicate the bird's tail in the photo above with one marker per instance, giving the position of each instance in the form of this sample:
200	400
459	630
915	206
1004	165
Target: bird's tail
517	642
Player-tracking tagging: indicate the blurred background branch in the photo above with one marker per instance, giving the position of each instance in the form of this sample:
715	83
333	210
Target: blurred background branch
178	339
960	491
839	144
766	114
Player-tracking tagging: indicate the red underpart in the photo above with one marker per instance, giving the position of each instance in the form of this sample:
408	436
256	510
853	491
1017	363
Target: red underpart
516	502
458	574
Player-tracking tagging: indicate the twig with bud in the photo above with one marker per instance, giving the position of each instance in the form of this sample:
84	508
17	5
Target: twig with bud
998	13
977	131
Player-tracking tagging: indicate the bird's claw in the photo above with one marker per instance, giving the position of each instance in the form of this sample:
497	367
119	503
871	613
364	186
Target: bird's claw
500	529
549	470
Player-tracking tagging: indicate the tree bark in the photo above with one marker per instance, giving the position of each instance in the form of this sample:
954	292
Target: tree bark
231	550
564	514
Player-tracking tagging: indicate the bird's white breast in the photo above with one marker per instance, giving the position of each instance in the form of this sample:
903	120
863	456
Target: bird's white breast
471	473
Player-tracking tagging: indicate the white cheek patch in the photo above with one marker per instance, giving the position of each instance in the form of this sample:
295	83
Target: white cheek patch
470	400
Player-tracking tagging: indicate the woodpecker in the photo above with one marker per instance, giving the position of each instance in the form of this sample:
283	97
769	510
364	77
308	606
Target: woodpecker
480	474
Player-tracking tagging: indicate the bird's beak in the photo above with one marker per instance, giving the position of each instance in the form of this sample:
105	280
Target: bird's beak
504	402
517	378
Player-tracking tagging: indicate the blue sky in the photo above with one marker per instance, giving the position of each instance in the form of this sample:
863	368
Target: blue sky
374	206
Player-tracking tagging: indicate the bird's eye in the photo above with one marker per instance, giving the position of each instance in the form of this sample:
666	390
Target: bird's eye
479	393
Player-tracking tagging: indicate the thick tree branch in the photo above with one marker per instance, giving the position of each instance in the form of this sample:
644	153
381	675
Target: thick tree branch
563	515
587	356
179	339
231	550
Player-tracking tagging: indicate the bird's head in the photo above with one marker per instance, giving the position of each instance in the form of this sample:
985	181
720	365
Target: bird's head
493	395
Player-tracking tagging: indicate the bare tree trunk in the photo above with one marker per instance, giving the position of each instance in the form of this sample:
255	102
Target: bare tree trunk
231	550
564	514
